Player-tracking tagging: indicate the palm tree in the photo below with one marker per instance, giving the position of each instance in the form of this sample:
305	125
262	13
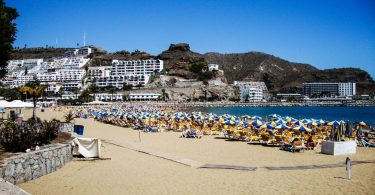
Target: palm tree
69	117
35	92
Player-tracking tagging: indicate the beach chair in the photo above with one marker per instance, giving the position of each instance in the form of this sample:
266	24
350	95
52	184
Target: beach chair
298	146
252	137
228	134
314	138
265	138
367	144
241	135
278	140
206	131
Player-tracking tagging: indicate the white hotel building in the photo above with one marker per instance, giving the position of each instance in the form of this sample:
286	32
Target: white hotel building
62	75
329	89
251	91
134	72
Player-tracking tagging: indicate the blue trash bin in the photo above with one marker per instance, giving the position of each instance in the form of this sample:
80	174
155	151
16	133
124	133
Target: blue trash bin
80	130
75	128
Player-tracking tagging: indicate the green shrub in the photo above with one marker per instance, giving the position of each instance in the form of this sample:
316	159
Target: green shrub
34	132
198	67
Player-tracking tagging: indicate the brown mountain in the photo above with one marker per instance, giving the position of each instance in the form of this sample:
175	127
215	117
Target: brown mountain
284	76
278	74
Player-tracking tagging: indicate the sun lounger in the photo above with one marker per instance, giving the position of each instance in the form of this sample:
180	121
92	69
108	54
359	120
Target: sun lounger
367	144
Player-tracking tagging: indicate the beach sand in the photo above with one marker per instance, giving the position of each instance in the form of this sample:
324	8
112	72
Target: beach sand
131	172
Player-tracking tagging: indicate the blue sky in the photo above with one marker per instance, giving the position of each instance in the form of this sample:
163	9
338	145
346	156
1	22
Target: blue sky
326	34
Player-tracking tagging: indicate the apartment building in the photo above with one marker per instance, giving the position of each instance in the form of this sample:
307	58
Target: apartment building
134	72
251	91
98	72
329	89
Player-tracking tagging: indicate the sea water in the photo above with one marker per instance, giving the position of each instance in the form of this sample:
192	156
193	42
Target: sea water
352	113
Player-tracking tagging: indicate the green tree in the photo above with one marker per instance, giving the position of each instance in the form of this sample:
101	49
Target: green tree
76	90
61	91
127	87
198	67
10	94
94	89
85	96
7	34
164	95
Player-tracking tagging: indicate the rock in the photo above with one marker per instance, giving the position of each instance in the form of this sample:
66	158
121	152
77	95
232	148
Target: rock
43	170
49	166
45	154
178	59
63	151
62	161
18	169
36	174
19	174
42	161
179	47
36	166
53	164
31	161
9	179
9	170
28	174
50	154
57	162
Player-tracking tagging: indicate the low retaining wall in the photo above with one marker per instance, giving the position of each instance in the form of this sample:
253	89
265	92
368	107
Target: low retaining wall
32	165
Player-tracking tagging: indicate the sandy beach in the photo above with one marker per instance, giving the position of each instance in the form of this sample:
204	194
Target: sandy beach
131	172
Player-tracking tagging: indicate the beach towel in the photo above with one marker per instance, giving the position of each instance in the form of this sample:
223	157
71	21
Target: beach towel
87	147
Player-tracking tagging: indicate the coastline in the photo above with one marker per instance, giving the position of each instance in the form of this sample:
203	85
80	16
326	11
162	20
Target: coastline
251	104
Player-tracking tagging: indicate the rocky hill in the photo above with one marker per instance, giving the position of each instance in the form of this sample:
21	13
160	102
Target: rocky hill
179	58
278	74
34	53
284	76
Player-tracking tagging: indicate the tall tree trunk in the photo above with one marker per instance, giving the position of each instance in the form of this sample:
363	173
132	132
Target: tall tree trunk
34	101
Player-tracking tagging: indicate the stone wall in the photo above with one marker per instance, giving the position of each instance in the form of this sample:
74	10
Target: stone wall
32	165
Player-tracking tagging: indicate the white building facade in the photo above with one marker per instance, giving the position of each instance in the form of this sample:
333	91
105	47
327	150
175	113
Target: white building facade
251	91
134	73
143	96
347	89
108	96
